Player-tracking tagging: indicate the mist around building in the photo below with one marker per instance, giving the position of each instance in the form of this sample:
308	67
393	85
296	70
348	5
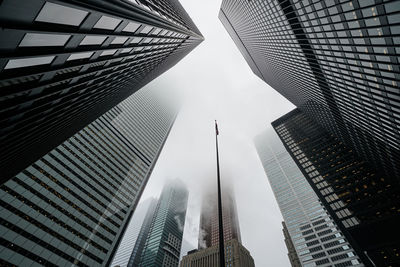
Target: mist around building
110	153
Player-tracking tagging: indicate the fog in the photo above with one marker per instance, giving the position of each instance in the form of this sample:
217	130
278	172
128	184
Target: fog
217	83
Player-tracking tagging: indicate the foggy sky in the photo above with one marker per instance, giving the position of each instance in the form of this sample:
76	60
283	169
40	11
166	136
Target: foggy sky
218	84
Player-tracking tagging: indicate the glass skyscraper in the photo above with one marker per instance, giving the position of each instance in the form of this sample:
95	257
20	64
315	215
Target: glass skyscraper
133	232
64	63
337	61
316	238
363	202
71	207
164	239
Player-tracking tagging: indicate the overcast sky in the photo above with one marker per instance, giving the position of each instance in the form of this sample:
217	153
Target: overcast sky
218	84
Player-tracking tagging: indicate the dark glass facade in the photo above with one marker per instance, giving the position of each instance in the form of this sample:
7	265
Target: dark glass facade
337	61
65	63
164	239
364	202
72	206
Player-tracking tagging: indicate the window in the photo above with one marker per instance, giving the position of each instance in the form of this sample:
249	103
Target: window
28	62
108	52
54	13
146	29
119	40
93	40
131	27
107	23
80	55
41	39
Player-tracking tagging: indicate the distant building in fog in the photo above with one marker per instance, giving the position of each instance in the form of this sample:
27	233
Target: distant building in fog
131	236
209	227
236	255
164	238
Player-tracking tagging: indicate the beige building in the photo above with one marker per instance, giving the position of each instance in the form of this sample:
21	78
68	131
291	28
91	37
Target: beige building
236	255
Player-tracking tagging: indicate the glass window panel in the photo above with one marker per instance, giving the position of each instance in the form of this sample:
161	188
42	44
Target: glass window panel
126	50
146	29
93	40
42	39
119	40
136	40
108	52
27	62
54	13
80	55
131	27
107	23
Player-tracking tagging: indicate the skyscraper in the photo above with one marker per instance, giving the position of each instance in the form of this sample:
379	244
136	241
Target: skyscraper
316	238
133	232
136	252
337	61
292	254
363	202
209	227
65	63
71	207
207	254
164	238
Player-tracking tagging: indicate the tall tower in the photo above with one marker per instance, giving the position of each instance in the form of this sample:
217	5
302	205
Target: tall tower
64	63
207	254
337	61
72	206
363	202
164	239
209	227
316	238
135	236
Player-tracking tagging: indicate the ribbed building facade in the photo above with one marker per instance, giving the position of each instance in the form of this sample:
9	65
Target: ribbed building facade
71	207
133	233
164	239
337	61
292	254
317	239
209	226
65	63
363	202
236	255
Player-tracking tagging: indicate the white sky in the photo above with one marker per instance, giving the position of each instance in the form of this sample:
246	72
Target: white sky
218	84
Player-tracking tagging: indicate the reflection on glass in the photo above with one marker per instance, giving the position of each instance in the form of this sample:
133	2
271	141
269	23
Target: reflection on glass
41	39
131	27
136	40
146	29
126	50
55	13
107	23
27	62
93	40
108	52
119	40
80	55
